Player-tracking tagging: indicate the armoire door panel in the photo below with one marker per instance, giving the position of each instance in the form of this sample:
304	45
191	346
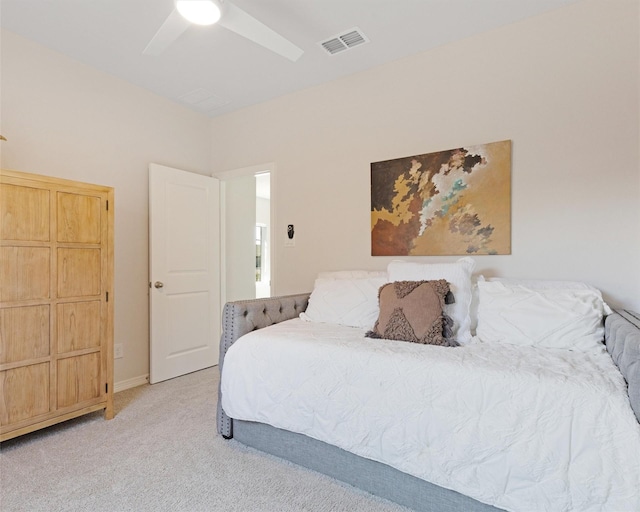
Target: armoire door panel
78	325
79	272
24	273
24	333
24	393
78	218
24	213
78	379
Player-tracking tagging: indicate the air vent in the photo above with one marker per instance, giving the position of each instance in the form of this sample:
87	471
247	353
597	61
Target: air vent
345	41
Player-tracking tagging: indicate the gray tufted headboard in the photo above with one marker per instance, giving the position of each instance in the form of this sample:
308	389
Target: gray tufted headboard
241	317
622	336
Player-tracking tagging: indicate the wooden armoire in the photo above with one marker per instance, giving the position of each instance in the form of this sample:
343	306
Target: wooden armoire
56	301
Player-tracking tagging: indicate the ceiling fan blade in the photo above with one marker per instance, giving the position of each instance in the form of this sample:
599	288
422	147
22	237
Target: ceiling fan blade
238	21
171	29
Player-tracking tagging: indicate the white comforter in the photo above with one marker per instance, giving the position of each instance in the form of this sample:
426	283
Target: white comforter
516	427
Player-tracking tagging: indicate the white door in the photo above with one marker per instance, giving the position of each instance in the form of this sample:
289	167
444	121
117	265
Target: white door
184	272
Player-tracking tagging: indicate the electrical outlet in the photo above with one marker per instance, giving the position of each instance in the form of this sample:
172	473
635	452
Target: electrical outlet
118	351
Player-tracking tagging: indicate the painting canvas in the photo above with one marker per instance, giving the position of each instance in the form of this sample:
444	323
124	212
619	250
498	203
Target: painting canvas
454	202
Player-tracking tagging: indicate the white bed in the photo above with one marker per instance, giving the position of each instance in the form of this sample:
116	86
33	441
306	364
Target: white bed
516	427
532	414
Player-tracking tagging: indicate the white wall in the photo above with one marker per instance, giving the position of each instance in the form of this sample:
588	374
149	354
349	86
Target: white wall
564	87
64	119
240	237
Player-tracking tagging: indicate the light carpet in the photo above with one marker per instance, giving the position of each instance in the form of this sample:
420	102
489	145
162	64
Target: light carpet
161	452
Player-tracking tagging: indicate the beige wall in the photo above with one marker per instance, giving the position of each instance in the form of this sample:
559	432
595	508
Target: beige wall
64	119
564	87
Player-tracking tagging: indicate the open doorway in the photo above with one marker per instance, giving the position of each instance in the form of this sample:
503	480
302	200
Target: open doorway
246	233
263	235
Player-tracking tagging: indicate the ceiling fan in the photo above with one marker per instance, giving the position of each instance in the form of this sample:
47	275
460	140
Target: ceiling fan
208	12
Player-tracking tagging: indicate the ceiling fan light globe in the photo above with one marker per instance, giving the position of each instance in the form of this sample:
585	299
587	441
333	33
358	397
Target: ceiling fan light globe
200	12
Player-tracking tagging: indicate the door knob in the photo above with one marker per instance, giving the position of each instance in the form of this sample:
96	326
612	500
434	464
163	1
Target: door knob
158	284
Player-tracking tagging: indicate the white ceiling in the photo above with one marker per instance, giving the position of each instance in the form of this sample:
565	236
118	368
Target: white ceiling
230	72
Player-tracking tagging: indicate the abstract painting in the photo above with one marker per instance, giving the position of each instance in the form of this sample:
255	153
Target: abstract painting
454	202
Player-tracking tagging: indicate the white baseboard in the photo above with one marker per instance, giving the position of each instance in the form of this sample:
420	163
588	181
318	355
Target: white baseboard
131	383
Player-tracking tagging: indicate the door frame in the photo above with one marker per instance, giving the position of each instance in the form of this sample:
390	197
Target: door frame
224	176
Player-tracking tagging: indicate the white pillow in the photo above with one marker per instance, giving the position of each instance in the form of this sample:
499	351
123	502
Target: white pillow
541	284
534	284
457	274
566	317
352	302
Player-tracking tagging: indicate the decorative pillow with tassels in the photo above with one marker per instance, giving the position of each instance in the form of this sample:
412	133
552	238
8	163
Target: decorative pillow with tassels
413	311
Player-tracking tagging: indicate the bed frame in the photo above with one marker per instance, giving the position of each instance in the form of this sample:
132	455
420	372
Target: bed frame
622	336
